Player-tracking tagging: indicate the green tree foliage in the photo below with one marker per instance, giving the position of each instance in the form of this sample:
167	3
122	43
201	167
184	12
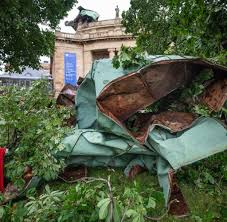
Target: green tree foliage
32	128
129	57
188	27
22	39
86	202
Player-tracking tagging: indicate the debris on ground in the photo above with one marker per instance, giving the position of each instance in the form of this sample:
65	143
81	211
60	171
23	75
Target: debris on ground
163	116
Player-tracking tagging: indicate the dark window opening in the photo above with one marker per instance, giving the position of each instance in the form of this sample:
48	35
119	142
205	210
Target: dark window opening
100	54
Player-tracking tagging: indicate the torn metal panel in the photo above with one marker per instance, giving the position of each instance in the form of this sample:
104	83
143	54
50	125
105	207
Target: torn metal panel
177	204
108	97
175	121
126	95
142	124
215	95
67	96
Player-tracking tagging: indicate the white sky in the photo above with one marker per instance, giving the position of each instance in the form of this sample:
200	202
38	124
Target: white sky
105	8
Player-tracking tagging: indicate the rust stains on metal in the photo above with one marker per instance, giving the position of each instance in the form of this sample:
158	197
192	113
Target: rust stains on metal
142	124
126	95
175	121
215	95
177	204
135	170
73	173
67	96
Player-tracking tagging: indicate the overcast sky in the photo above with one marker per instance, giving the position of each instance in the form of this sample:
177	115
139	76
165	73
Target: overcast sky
105	8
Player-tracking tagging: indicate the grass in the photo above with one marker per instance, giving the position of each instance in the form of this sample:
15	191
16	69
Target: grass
205	204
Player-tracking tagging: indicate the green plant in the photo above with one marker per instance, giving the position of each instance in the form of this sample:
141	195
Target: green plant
27	30
202	110
137	206
80	202
32	127
91	200
45	206
129	57
186	27
197	86
132	205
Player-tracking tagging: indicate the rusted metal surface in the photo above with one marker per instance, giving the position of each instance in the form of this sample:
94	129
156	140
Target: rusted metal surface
67	96
141	124
73	173
27	176
215	95
135	170
175	121
177	204
129	94
126	95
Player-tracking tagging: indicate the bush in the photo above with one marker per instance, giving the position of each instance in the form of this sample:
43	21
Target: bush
31	127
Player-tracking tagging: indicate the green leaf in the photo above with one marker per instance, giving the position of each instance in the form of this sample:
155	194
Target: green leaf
47	188
138	218
116	212
151	203
1	212
103	201
130	213
104	208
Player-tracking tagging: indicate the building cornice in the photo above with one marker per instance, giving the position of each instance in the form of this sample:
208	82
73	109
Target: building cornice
101	30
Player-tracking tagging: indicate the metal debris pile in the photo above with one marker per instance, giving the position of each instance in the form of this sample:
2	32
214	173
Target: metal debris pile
204	96
159	117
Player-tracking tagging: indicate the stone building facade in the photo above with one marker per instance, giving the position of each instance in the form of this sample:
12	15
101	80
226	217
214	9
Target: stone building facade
92	41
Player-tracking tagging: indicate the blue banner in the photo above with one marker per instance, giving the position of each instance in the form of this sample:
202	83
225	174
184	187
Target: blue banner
70	68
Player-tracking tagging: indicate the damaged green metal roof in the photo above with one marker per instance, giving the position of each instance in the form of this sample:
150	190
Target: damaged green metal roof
108	96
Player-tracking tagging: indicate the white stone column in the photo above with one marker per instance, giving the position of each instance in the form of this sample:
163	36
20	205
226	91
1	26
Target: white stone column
87	61
111	52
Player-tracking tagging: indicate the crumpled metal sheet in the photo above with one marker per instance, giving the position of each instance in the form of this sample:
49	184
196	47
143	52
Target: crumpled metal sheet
215	95
177	204
67	96
175	121
108	97
126	95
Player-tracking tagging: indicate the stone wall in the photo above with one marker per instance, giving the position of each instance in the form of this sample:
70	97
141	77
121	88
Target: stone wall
102	35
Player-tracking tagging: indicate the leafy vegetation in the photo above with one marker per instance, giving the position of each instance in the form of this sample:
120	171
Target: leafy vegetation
185	27
89	201
27	30
129	58
32	127
187	99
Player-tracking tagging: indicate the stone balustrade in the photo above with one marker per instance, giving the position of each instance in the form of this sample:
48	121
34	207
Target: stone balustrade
106	29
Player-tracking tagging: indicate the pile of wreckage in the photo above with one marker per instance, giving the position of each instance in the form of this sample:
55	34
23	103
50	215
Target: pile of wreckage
146	119
143	119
